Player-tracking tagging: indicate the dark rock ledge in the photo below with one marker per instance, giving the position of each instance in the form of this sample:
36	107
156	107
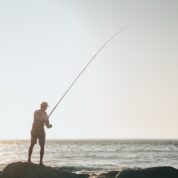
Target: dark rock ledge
22	170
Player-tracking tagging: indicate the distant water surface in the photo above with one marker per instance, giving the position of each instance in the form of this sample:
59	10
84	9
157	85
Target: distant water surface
95	155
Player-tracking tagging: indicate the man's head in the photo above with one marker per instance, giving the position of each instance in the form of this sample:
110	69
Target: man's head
44	106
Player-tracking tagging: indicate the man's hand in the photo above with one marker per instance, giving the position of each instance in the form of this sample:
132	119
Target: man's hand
49	126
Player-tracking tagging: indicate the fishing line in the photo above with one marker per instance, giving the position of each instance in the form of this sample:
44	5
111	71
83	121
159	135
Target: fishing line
90	61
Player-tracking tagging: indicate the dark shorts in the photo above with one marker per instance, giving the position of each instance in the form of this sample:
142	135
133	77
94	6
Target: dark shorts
41	139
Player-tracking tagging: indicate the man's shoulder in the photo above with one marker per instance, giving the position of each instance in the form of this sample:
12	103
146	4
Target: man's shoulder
40	112
37	112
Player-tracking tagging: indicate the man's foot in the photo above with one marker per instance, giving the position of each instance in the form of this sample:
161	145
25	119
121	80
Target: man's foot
29	162
41	164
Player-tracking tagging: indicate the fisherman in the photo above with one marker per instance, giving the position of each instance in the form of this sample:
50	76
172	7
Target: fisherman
38	131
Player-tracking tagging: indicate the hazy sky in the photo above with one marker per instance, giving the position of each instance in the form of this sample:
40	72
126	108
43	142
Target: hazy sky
129	91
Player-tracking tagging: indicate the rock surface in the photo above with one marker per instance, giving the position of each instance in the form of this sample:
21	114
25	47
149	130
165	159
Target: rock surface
22	170
155	172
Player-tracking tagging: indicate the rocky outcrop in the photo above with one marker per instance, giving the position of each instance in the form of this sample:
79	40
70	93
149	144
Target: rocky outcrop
155	172
22	170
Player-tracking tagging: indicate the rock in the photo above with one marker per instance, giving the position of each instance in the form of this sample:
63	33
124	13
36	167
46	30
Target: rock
155	172
22	170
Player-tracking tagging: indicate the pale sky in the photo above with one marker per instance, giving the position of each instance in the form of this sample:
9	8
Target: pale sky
129	91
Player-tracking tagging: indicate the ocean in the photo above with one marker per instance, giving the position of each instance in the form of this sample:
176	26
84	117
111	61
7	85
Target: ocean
95	156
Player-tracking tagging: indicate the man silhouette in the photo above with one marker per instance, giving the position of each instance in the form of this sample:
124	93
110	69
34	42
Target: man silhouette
38	131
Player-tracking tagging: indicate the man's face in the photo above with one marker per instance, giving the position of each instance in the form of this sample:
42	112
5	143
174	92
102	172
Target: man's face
44	108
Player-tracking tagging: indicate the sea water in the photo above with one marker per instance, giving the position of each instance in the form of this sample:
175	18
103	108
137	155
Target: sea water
94	156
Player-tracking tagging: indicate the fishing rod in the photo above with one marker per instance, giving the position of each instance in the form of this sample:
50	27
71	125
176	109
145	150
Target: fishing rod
90	61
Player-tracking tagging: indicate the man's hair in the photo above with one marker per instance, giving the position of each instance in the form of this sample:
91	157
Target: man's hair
44	104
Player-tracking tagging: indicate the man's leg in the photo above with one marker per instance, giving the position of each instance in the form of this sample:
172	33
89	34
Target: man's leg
41	154
30	152
33	142
42	144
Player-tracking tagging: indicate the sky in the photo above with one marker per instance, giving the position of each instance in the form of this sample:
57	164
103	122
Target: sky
130	91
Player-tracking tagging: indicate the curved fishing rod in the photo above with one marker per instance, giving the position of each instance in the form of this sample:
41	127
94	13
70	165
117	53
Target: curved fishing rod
110	39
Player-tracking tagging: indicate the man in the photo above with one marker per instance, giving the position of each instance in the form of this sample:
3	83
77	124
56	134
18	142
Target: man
38	131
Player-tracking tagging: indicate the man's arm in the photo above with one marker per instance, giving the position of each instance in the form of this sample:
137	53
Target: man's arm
48	125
